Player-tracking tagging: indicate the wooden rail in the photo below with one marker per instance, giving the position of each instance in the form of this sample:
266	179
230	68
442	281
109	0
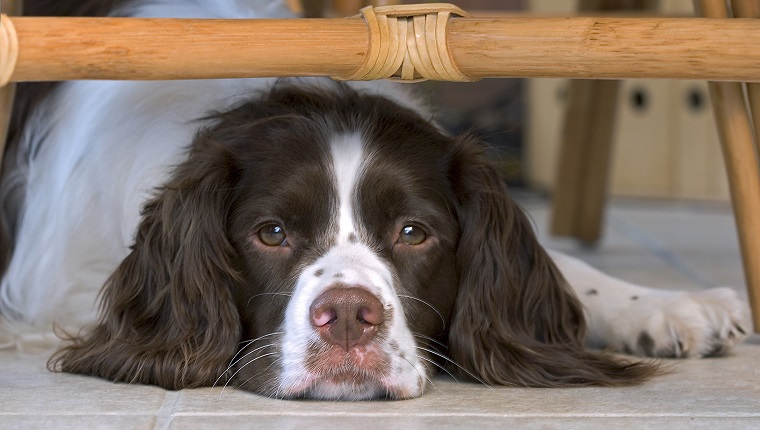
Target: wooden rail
571	47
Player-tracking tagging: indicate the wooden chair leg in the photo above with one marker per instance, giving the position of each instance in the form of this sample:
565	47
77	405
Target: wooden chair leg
346	7
744	179
580	190
739	149
6	107
750	9
351	7
7	93
753	92
295	6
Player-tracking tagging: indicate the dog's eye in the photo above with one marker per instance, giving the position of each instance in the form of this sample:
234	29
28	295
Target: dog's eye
412	235
272	235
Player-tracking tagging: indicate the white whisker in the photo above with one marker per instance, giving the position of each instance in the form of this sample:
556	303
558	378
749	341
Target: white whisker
443	321
265	369
418	372
247	354
426	343
267	294
251	352
436	342
246	344
241	368
439	366
438	354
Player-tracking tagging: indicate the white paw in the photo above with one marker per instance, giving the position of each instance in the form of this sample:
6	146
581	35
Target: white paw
684	325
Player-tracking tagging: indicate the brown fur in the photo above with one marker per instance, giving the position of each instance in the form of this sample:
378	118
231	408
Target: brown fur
517	322
168	315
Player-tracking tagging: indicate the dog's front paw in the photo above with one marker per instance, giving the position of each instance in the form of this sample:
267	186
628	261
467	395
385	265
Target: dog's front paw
681	325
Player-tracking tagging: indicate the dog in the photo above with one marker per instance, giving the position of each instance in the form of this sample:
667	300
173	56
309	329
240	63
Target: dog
301	238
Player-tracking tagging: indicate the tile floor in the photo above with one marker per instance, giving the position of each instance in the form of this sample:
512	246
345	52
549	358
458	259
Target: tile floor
672	245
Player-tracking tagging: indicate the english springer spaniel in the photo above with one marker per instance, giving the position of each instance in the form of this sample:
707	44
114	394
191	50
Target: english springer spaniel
301	238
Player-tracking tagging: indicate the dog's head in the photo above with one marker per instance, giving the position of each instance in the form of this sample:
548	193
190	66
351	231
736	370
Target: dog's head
332	244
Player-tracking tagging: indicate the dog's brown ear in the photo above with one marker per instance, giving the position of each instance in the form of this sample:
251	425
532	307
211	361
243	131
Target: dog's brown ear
167	313
516	320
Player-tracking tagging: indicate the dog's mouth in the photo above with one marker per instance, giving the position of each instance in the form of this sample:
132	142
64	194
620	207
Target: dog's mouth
357	368
341	365
360	373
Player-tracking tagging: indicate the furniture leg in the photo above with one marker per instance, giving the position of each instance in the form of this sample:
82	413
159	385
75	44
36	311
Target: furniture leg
739	149
7	93
584	160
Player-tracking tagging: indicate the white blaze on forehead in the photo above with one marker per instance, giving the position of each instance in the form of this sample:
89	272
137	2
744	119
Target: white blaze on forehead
352	263
347	156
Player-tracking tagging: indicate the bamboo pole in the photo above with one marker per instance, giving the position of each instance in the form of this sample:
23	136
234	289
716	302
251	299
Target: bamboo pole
147	49
607	48
578	47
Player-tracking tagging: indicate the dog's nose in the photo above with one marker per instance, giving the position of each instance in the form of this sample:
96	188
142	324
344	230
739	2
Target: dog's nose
347	317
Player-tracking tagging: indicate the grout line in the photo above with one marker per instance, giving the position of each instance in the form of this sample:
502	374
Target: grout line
473	415
659	250
165	413
418	414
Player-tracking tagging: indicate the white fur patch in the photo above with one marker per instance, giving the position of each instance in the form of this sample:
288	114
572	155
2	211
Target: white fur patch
347	157
350	264
355	264
672	323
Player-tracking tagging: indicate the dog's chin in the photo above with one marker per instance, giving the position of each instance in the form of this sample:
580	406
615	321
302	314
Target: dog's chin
363	389
326	390
362	373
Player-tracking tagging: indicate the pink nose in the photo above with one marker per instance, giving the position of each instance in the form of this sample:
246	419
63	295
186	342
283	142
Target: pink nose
347	316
